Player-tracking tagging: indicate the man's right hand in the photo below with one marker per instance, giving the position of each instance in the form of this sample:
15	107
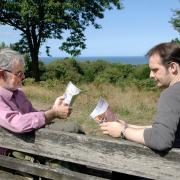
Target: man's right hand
62	111
59	110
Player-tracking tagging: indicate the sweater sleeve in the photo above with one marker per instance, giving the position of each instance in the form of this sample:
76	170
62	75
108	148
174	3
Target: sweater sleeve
162	134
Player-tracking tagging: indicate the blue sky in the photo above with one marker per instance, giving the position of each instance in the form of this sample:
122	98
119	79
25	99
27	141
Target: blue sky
131	31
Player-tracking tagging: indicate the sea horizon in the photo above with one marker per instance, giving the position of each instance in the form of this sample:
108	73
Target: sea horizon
135	60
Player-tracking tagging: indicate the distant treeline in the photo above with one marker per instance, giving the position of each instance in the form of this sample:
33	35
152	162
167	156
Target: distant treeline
99	71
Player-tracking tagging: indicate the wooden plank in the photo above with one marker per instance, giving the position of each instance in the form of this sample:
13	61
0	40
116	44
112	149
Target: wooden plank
113	155
43	170
4	175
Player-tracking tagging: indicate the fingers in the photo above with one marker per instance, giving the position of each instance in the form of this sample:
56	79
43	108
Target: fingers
63	111
105	132
104	128
66	111
111	128
61	97
105	124
58	101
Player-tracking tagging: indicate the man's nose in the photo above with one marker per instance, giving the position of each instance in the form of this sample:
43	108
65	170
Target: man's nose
151	75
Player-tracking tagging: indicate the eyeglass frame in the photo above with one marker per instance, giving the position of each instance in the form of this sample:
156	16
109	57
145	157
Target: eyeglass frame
18	74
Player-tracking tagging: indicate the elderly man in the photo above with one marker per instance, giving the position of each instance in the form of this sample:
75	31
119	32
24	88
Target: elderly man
16	111
164	133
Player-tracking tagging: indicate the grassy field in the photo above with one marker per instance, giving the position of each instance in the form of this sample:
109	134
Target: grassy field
130	104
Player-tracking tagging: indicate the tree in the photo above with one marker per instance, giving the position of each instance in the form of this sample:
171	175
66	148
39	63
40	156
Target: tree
2	45
39	20
176	40
175	21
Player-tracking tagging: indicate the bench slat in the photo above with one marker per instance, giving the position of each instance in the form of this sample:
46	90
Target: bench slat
112	155
43	170
4	175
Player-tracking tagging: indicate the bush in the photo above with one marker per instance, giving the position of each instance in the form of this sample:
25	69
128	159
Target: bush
141	72
116	74
29	81
63	70
147	84
50	83
92	69
127	70
109	75
98	72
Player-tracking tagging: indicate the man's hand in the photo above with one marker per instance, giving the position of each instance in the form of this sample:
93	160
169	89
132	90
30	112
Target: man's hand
62	111
58	101
112	128
59	110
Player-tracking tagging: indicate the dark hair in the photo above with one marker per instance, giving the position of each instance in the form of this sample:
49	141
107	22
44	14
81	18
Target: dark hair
169	52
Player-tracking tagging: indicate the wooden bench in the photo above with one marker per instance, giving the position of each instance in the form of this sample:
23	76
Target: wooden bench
101	157
9	176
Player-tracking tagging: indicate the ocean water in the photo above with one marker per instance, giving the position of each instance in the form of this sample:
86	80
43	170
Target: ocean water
135	60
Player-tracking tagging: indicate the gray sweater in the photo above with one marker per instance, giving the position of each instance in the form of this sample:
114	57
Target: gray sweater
165	131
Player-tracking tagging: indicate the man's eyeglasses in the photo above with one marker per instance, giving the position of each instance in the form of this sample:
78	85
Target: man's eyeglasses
18	74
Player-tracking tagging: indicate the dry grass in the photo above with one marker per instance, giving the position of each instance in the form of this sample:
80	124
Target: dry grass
130	104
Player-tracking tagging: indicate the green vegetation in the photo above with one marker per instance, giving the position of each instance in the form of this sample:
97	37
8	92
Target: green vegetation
129	103
175	20
46	19
127	88
97	72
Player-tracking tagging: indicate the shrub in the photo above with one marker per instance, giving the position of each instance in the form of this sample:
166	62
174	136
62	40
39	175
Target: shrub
147	84
127	70
98	72
92	69
141	72
50	83
29	81
63	70
109	75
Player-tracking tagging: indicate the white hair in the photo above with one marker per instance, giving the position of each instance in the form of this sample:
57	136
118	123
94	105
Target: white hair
7	58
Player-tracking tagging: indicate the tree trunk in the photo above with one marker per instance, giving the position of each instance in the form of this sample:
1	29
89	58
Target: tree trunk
35	65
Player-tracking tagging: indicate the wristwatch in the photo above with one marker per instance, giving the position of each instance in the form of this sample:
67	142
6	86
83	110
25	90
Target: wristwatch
122	135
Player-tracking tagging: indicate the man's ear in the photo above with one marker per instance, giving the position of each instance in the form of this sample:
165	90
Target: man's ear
174	67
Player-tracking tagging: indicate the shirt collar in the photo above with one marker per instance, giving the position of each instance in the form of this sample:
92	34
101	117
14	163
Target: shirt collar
6	93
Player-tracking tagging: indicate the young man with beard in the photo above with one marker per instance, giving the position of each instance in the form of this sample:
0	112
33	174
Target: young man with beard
164	133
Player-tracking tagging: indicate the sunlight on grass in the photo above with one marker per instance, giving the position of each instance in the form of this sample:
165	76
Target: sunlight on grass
130	104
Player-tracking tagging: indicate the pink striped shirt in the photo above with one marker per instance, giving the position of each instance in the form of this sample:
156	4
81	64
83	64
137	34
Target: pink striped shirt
17	113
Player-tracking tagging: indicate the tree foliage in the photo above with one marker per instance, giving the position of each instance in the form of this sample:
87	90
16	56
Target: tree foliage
69	69
39	20
175	20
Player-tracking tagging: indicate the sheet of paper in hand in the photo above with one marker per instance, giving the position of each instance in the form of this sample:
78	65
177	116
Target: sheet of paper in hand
71	93
102	112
